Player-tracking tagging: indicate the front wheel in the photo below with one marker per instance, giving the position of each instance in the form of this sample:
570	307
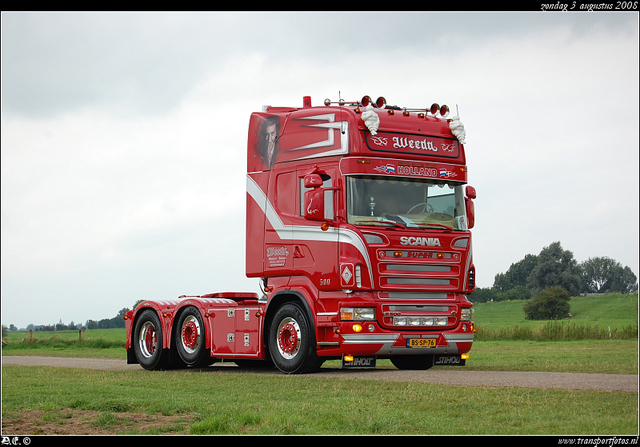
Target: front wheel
148	342
292	341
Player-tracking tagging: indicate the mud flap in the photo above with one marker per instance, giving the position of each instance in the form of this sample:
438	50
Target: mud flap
349	362
448	360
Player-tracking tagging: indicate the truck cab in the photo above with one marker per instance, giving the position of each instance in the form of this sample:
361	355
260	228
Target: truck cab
359	217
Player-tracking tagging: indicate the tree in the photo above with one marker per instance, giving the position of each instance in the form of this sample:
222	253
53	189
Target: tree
603	274
624	281
481	295
550	304
555	267
516	275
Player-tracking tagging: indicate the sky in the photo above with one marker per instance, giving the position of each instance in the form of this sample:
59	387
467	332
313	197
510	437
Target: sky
124	137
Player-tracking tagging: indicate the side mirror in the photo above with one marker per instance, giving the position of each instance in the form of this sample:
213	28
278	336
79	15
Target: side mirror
471	192
470	207
312	181
314	203
318	201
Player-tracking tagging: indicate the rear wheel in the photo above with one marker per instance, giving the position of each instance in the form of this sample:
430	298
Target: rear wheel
292	341
416	362
190	338
147	343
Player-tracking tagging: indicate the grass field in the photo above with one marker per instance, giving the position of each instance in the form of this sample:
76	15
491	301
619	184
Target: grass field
211	403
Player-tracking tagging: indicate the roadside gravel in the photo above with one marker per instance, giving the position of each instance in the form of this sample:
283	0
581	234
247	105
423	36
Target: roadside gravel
453	376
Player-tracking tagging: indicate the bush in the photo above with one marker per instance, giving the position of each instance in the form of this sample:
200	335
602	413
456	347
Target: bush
550	304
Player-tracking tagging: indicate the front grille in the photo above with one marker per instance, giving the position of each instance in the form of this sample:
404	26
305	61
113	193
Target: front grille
414	296
426	269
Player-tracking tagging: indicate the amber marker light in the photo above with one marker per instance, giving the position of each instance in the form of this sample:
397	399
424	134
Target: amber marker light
324	226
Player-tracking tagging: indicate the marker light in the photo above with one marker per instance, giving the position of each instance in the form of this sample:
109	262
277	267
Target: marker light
356	328
464	356
420	321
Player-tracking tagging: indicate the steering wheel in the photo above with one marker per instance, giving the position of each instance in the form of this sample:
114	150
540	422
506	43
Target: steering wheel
428	209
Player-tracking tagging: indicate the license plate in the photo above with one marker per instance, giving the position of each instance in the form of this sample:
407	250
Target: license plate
421	343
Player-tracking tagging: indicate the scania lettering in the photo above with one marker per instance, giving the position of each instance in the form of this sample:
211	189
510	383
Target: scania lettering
428	241
358	219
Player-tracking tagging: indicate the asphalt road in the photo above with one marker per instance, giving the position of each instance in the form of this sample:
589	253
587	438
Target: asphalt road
451	376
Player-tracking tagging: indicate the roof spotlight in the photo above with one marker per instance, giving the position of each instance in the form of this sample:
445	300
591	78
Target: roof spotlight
444	111
366	100
327	102
381	102
434	108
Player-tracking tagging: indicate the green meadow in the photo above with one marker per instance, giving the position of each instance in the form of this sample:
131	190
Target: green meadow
600	337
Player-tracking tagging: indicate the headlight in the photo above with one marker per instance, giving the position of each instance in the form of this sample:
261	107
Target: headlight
466	314
357	313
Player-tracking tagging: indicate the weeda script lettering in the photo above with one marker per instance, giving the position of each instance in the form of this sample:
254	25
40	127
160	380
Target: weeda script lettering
404	142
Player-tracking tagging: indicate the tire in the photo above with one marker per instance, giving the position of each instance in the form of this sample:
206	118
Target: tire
415	362
292	341
147	343
190	338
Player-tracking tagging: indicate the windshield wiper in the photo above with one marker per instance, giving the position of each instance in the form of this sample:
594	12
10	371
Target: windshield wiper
384	221
437	224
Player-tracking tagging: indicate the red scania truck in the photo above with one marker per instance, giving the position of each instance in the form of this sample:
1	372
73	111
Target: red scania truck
358	219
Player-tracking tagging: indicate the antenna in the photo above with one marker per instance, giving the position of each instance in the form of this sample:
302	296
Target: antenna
341	102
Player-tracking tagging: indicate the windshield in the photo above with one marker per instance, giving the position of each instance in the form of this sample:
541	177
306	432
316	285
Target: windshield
410	203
